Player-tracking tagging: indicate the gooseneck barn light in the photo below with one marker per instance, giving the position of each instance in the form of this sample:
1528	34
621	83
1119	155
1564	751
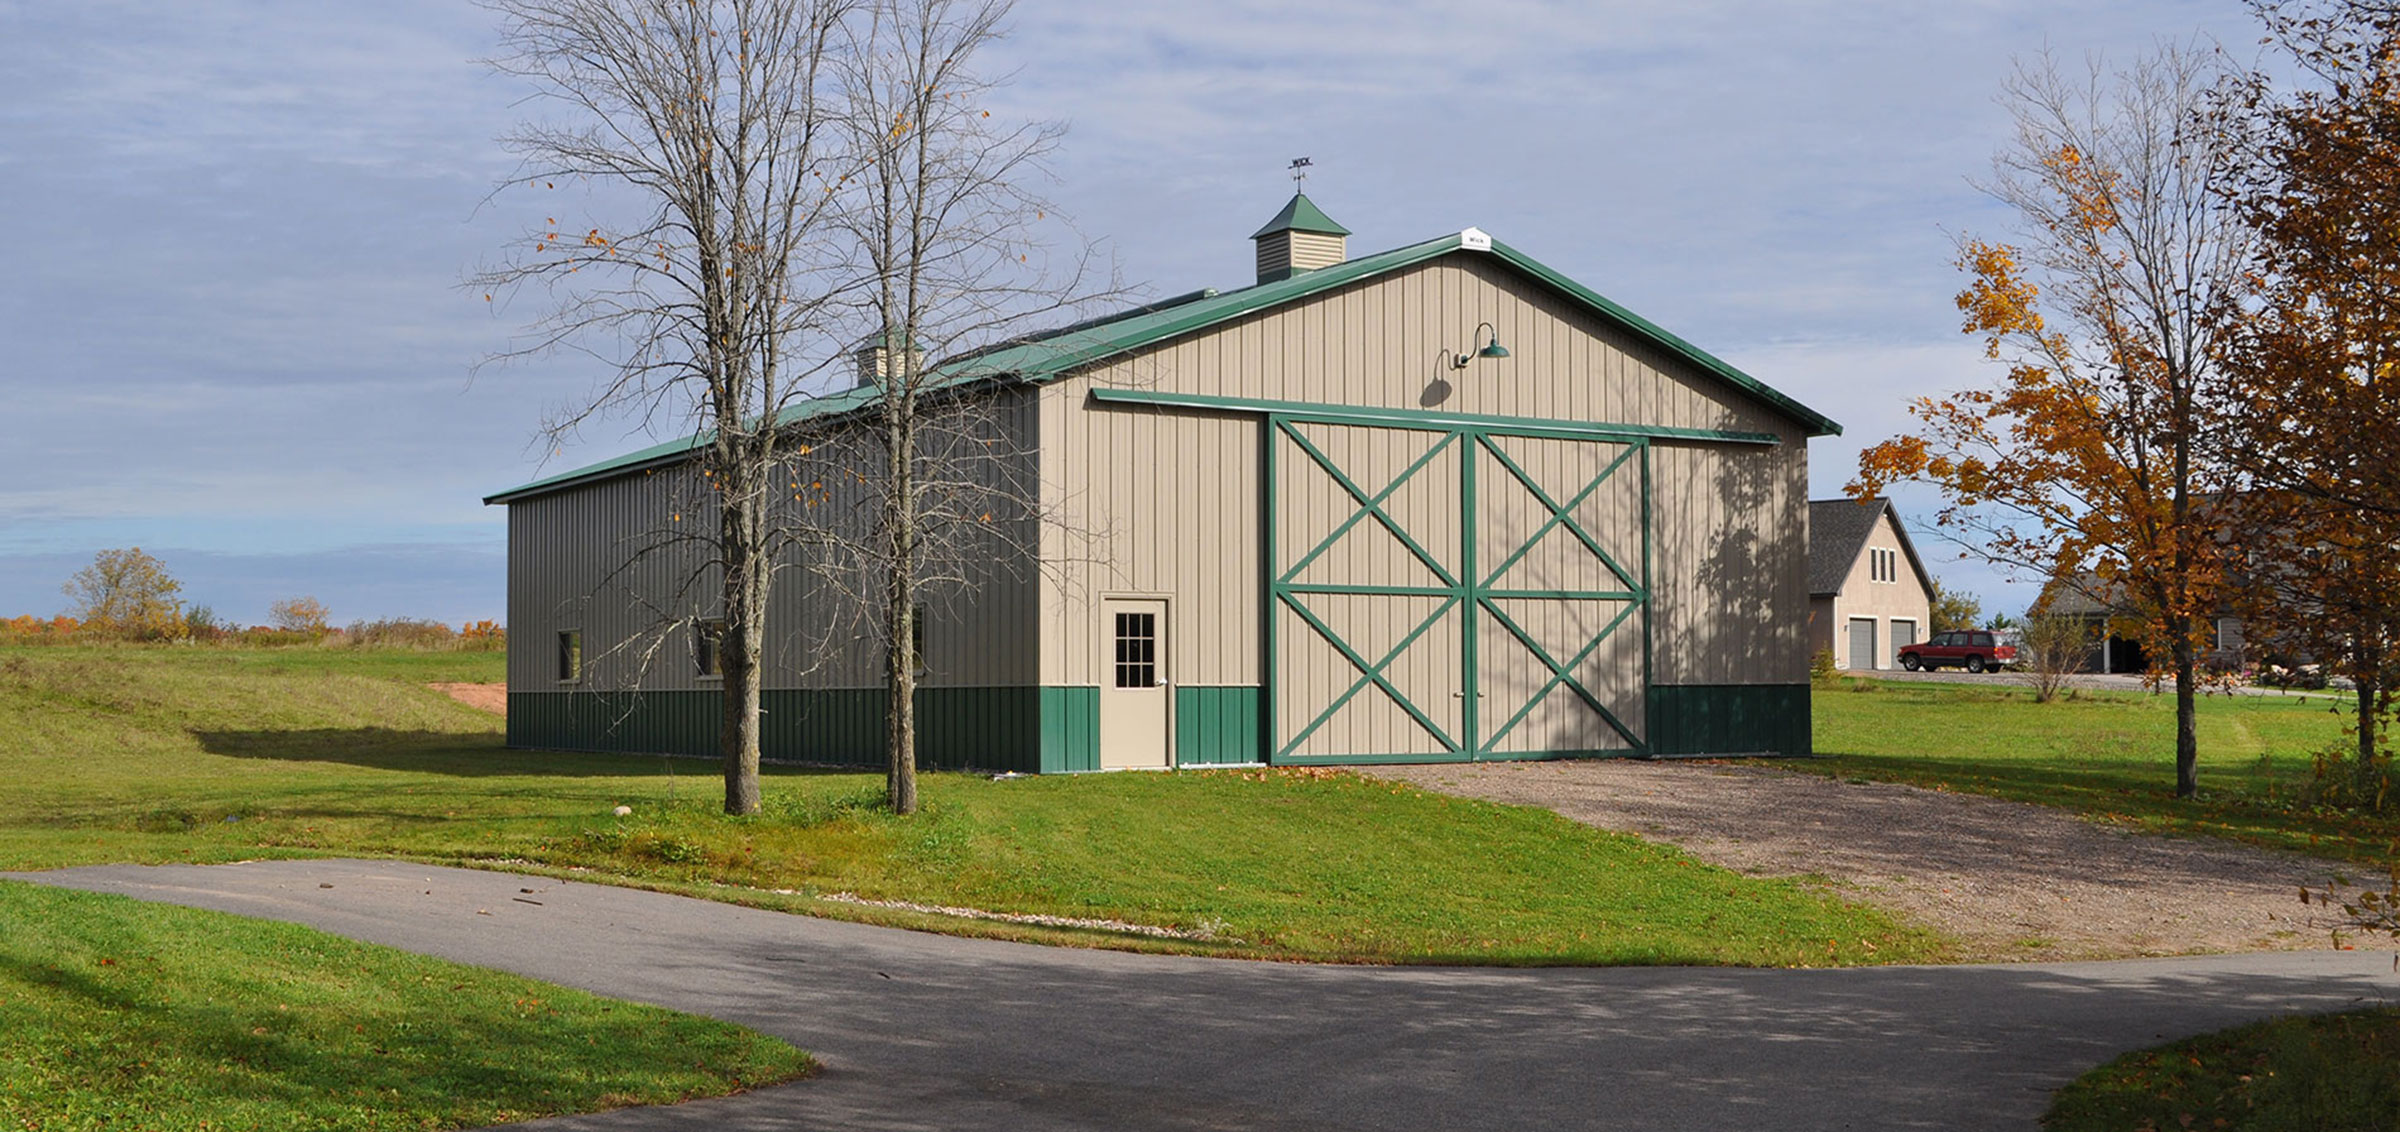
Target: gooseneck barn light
1490	349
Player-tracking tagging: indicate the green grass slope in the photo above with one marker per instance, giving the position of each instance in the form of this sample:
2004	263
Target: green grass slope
2322	1073
209	755
120	1014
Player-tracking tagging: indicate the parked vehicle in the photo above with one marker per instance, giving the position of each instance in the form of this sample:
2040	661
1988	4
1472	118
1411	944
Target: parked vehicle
1975	650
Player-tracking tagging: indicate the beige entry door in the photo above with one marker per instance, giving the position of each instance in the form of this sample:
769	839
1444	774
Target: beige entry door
1133	685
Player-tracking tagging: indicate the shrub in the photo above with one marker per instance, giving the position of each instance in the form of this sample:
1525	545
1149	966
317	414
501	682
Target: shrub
304	615
400	632
1821	669
200	623
483	636
2334	781
29	630
2050	648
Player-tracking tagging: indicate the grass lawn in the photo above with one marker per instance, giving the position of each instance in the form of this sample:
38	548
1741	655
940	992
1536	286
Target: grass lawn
2326	1073
208	755
2107	755
120	1014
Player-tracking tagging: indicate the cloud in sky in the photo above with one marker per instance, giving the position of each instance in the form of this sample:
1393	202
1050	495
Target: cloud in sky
236	335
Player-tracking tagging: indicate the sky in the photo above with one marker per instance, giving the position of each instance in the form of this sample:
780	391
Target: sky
234	332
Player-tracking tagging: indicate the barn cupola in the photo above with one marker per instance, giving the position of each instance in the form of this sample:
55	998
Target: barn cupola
1300	238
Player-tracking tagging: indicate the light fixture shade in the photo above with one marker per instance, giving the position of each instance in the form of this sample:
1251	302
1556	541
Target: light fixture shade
1495	350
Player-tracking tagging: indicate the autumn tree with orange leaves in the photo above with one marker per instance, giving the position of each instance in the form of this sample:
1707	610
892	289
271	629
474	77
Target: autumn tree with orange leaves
128	593
2318	367
2089	463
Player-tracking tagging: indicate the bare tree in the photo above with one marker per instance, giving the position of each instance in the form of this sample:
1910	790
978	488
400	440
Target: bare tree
2092	460
702	128
2050	647
946	223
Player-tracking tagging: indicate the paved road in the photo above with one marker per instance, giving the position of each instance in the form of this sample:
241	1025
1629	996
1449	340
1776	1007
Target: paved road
921	1031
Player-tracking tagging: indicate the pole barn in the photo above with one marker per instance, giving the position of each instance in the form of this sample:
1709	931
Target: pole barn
1440	503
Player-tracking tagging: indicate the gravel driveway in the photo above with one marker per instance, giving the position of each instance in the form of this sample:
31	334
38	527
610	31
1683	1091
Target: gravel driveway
2011	881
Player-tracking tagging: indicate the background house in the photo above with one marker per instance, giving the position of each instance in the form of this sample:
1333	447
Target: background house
1439	503
1868	594
2110	621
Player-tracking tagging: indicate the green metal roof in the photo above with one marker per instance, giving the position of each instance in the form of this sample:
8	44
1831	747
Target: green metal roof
1301	215
1048	357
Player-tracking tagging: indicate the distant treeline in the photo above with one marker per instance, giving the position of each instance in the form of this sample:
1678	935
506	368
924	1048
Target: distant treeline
200	627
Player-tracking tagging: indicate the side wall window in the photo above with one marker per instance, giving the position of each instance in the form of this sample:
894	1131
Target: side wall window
708	647
570	656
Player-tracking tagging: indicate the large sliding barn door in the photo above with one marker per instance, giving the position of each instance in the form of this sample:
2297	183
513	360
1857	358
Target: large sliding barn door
1450	594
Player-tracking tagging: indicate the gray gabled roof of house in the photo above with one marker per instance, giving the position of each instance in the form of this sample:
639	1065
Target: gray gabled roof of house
2083	595
1838	530
1046	357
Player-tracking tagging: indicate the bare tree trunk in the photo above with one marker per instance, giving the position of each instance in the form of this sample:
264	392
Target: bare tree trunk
900	613
2370	689
2187	709
742	650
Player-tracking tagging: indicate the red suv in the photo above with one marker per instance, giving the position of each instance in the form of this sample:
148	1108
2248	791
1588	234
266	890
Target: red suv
1972	649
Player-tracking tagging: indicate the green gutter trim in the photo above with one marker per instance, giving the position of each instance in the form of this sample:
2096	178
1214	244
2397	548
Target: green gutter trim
1424	418
658	456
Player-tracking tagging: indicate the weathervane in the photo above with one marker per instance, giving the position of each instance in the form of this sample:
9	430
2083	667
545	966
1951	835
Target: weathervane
1299	171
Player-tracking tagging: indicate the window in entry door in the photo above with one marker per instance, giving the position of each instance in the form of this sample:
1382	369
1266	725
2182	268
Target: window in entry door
1137	650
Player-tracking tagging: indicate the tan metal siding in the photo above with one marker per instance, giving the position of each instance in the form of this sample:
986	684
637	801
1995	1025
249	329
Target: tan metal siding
1152	506
1166	502
1731	570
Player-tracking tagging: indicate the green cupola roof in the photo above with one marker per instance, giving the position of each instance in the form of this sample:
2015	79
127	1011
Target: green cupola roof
1301	215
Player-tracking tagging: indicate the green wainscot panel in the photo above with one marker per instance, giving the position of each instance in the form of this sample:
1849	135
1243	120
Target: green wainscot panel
1729	719
1070	730
1217	726
998	729
654	723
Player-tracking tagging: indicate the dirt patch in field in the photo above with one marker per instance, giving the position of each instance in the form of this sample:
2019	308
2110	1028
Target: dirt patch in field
490	697
2009	880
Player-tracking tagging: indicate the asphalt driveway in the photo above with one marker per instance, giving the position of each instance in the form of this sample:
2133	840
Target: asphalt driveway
921	1031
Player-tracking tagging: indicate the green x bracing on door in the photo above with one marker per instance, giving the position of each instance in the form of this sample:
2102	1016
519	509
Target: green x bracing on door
1454	591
